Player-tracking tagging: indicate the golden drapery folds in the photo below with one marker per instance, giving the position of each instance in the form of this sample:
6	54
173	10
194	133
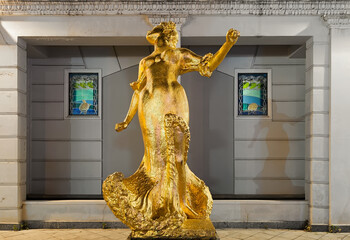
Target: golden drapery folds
163	198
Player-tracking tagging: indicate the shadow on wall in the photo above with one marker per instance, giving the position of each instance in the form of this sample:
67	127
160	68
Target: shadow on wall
275	165
211	126
123	151
5	38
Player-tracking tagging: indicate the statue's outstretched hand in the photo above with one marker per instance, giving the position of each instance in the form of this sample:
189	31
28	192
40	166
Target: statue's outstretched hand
232	36
120	126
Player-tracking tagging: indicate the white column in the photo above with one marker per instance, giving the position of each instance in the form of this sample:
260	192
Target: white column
339	124
12	132
317	131
178	28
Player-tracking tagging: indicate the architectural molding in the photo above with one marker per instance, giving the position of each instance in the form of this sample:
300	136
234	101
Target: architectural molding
175	8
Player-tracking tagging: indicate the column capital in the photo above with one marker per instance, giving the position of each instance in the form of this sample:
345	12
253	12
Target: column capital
337	21
179	20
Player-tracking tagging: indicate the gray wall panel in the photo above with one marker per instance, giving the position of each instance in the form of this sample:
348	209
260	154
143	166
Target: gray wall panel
269	149
75	129
286	74
211	125
291	169
277	186
66	170
47	93
101	57
288	111
280	139
66	150
122	151
47	110
61	56
129	56
288	93
269	55
49	74
260	129
290	74
66	187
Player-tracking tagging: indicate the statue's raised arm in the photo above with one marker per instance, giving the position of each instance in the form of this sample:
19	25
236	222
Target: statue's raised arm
208	63
231	38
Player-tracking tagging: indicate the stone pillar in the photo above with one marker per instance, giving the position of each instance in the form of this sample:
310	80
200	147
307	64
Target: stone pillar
12	132
339	121
317	132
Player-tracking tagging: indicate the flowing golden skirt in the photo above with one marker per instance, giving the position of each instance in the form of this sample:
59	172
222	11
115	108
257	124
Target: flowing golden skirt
153	204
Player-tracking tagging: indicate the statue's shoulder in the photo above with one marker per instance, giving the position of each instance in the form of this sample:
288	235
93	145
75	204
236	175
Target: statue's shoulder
187	54
186	51
183	50
144	60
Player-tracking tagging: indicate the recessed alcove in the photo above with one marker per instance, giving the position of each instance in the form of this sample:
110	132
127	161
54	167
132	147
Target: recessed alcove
238	159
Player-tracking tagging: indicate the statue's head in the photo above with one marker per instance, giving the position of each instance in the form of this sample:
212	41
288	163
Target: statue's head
163	34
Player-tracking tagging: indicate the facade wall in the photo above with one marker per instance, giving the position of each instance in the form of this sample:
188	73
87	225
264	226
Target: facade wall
131	28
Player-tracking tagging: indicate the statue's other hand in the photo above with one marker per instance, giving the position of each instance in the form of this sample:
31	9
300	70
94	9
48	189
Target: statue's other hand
134	85
120	126
232	36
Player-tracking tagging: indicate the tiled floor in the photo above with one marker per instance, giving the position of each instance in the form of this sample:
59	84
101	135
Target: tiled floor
122	234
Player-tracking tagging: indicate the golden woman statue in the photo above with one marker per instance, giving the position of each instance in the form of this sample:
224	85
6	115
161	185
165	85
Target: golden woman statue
163	194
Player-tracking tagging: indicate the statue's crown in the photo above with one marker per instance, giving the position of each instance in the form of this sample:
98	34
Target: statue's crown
168	27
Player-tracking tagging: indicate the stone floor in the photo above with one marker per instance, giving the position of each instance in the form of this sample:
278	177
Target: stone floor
122	234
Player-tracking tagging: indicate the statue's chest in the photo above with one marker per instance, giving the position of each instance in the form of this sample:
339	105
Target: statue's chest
168	57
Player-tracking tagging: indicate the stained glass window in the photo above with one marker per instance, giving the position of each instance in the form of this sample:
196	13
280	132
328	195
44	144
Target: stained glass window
83	93
253	93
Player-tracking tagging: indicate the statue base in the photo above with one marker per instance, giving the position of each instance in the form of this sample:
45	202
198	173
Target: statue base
191	229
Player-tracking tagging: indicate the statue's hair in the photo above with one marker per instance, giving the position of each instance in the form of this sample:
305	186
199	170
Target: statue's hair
167	29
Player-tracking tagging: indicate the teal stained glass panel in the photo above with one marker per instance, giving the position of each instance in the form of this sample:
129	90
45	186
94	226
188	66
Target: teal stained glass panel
83	93
252	94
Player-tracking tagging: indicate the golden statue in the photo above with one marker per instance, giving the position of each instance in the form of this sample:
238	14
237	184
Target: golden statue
163	198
